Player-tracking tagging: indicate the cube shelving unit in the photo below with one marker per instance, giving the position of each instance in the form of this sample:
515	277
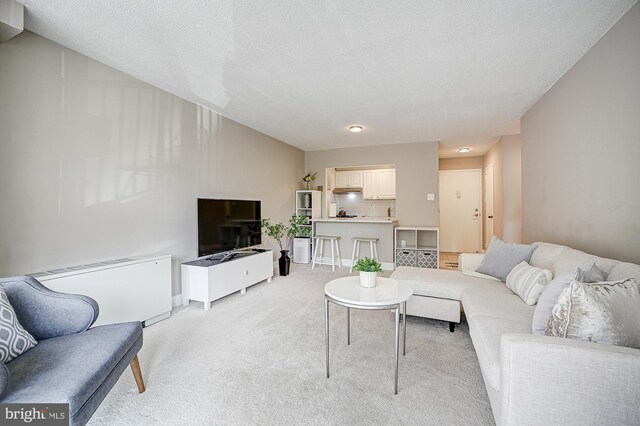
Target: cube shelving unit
417	246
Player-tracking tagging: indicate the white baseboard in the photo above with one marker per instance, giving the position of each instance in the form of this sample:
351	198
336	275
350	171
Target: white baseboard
176	301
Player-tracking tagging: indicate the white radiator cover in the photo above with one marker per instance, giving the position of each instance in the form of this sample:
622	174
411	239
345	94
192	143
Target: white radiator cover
131	289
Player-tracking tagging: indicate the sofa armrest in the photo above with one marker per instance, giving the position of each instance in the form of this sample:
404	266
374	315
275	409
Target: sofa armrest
469	261
46	313
550	380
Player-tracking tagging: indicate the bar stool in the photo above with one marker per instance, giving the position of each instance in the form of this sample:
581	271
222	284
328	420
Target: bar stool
320	239
373	246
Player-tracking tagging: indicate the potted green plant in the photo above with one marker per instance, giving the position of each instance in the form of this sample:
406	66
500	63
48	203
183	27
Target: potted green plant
309	178
283	235
368	269
301	230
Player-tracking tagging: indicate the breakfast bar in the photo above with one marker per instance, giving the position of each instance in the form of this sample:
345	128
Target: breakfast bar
369	227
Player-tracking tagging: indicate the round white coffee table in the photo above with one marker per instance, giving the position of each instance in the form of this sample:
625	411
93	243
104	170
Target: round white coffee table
387	294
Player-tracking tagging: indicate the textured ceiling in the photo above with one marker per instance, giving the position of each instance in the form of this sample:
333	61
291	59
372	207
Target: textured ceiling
302	71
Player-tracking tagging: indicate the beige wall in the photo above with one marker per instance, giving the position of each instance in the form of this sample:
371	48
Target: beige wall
96	165
462	163
581	150
512	189
416	175
507	189
494	157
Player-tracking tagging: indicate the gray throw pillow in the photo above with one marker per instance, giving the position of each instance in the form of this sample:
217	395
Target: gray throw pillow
548	300
593	275
605	312
501	257
14	339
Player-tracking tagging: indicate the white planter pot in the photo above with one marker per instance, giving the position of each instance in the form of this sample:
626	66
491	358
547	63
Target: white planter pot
368	279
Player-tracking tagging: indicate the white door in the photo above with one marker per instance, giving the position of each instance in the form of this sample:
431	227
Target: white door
369	185
386	184
488	204
460	211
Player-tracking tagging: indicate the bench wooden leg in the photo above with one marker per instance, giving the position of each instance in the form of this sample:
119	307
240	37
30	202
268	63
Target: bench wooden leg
137	374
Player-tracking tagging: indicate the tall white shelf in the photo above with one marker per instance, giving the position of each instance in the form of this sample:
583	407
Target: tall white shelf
421	246
309	205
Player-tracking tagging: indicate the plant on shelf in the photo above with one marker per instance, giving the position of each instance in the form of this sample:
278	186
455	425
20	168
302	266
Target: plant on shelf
368	269
283	235
309	178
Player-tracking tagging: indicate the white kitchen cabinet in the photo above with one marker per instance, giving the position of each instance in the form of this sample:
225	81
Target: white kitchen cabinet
369	185
379	184
349	179
386	184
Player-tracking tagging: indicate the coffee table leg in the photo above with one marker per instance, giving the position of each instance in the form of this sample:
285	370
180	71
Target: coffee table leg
404	320
326	331
348	326
395	377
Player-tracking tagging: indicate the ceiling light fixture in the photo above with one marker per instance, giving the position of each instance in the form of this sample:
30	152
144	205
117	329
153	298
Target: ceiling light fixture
463	150
355	129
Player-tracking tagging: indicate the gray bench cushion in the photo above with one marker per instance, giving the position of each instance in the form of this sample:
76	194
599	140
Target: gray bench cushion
74	368
444	284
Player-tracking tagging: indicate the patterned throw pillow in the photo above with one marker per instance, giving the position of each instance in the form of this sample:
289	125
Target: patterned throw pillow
528	282
606	312
14	340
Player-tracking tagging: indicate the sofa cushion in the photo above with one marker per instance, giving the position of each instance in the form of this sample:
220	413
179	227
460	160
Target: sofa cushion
501	257
486	332
14	339
442	283
604	312
548	300
528	282
498	304
570	259
624	270
71	368
546	255
592	275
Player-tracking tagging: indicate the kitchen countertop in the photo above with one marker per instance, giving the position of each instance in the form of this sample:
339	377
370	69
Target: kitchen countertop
361	219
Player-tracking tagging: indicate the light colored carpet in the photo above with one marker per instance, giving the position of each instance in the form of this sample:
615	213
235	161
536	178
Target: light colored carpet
259	358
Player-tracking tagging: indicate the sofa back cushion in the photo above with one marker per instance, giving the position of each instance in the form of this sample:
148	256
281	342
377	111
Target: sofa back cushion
570	259
624	270
546	255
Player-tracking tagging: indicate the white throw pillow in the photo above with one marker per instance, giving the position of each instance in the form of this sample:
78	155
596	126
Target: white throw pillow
528	281
606	312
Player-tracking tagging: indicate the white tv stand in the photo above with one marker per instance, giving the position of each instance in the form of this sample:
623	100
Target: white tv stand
206	279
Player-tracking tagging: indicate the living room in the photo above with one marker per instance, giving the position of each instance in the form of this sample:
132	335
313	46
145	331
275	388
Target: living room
116	119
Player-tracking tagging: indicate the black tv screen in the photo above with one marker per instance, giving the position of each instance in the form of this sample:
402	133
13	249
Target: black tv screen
225	225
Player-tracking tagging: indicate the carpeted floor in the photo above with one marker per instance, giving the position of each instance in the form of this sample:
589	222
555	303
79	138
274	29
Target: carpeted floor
259	358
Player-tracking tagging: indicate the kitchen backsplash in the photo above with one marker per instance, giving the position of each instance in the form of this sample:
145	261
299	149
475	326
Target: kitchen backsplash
354	204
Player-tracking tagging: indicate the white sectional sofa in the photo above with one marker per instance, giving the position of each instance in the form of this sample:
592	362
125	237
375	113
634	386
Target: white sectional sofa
531	379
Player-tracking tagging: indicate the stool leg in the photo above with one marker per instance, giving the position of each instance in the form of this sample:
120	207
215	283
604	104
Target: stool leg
353	256
338	251
321	252
315	254
371	249
358	252
375	251
333	258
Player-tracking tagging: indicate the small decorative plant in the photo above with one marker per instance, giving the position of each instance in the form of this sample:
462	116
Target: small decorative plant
368	265
368	269
309	178
283	233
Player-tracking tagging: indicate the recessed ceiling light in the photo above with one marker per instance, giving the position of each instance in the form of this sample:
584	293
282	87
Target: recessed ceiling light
463	150
355	129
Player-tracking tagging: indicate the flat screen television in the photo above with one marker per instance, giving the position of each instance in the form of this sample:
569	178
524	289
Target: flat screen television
225	225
